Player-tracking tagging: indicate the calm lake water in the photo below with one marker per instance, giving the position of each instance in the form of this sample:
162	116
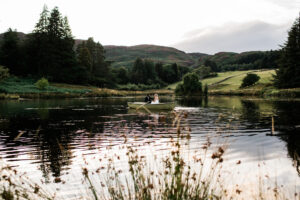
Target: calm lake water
51	140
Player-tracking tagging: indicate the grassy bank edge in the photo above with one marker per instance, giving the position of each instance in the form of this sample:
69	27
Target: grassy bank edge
99	92
103	92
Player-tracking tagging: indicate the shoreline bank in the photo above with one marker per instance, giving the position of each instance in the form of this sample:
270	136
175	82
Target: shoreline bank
104	92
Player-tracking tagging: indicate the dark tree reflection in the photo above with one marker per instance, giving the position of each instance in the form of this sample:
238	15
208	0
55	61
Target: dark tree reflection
287	123
191	101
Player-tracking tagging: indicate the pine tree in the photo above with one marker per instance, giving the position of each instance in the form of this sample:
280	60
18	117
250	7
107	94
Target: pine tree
11	56
138	71
99	68
67	33
288	74
159	69
149	71
50	47
37	47
85	59
41	26
55	27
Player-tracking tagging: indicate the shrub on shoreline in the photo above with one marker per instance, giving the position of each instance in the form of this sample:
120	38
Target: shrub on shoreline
42	84
190	86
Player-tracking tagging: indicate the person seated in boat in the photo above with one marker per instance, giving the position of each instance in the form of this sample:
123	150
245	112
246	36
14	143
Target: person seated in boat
148	99
155	100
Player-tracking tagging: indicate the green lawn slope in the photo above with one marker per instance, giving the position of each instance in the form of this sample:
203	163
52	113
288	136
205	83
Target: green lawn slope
228	83
233	79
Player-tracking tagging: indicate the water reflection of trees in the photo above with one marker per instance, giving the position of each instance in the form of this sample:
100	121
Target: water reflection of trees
54	152
287	123
50	145
54	149
286	116
250	111
47	138
193	101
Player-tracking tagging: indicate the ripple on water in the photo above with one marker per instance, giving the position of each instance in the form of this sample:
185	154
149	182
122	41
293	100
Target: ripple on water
101	129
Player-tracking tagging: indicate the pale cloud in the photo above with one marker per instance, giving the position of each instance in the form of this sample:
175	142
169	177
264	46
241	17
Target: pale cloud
290	4
250	36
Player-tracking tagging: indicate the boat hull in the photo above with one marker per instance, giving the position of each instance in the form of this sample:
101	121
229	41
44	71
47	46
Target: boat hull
160	106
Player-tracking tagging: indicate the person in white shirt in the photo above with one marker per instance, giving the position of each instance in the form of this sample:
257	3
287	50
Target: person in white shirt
155	100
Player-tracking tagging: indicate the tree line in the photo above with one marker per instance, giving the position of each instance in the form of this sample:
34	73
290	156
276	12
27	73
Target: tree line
50	52
288	74
226	61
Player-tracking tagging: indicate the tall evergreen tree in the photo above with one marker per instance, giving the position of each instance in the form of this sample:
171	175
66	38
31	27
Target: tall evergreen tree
171	73
176	72
37	46
121	75
137	71
50	47
288	74
41	26
11	53
85	59
149	70
99	68
159	69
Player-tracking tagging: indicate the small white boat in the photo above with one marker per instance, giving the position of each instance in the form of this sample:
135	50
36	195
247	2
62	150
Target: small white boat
158	106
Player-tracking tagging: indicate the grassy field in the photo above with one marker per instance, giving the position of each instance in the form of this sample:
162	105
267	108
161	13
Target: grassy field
233	79
228	83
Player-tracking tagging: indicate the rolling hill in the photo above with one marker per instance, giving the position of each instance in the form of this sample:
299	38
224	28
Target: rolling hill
21	36
126	55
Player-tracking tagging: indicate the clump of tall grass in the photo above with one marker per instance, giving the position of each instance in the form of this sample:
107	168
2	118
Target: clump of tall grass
171	176
15	185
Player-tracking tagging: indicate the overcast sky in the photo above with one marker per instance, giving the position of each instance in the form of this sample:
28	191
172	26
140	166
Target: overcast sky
206	26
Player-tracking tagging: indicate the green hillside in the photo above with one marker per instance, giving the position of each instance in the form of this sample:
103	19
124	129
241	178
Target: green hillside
125	56
227	81
220	58
232	81
226	61
230	61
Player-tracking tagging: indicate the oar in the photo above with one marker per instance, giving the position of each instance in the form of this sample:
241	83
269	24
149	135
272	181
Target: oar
142	105
147	110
